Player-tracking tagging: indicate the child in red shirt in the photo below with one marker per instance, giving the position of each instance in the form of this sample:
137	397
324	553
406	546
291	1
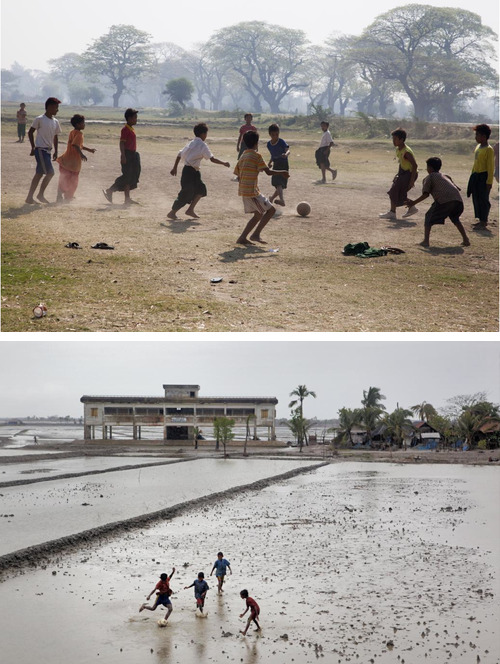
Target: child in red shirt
163	592
129	159
254	611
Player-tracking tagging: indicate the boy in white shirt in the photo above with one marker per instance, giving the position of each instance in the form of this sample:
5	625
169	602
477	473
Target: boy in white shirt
323	152
192	186
47	130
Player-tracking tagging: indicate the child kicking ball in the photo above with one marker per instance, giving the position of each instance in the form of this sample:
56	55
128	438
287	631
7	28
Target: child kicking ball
163	592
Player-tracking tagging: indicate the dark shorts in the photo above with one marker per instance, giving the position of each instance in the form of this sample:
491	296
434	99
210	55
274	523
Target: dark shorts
164	600
191	187
322	157
280	164
438	212
398	193
43	162
131	172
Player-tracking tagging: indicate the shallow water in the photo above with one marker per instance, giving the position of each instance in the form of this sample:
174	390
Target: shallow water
54	467
37	513
342	561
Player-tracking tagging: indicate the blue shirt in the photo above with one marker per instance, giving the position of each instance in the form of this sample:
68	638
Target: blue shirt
278	149
200	586
220	566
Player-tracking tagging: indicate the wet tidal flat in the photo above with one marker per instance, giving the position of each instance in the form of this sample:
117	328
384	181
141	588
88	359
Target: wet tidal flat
349	562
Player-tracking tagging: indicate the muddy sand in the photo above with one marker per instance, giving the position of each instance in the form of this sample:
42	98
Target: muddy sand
350	562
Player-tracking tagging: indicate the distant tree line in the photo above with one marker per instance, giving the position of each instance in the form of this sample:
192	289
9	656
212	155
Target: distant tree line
437	59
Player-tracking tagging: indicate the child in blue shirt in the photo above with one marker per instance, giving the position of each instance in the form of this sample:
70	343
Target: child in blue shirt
220	566
200	590
279	150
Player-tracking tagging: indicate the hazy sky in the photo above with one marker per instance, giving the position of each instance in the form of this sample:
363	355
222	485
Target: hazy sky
49	377
34	31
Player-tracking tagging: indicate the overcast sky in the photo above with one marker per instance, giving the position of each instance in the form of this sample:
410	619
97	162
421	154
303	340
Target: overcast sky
49	377
34	32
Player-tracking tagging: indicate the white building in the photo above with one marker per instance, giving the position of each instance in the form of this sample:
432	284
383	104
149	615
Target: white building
178	412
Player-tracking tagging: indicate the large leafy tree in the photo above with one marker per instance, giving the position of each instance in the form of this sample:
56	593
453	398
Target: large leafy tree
121	55
438	56
267	58
179	90
423	410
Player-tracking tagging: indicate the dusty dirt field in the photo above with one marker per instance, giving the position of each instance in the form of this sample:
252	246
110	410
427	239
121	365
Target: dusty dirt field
350	562
158	276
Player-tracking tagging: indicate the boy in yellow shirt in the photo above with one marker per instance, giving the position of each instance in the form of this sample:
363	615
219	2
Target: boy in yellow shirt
405	177
481	178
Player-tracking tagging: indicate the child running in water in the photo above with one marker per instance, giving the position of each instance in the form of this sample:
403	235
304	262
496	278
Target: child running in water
220	566
254	611
279	150
163	592
70	163
200	590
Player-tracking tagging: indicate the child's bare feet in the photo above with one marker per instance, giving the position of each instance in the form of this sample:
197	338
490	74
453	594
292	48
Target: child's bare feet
243	240
424	244
108	195
242	632
192	214
31	201
42	199
172	215
141	608
257	238
465	243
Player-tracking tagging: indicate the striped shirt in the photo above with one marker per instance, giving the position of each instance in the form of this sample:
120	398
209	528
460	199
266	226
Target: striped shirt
441	188
484	160
249	165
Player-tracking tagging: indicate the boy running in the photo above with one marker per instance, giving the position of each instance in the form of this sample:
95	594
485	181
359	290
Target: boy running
405	178
163	592
220	567
192	186
447	201
322	154
247	169
279	150
200	590
47	130
254	612
129	159
481	178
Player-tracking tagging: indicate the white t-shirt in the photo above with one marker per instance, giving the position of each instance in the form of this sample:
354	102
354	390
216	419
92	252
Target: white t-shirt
46	129
194	152
326	139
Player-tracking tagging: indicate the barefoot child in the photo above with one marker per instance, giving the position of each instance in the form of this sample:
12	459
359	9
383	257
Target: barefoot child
129	159
254	611
192	186
405	177
200	590
70	163
322	154
279	159
247	169
241	146
220	566
163	592
21	117
447	201
481	178
47	130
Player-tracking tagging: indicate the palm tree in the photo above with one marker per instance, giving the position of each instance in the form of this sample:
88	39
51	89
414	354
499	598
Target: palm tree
348	419
372	398
424	411
299	426
397	424
301	392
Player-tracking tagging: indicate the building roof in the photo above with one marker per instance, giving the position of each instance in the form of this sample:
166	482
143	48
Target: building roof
180	399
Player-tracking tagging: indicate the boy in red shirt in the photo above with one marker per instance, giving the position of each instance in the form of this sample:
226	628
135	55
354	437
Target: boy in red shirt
129	159
163	592
254	611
